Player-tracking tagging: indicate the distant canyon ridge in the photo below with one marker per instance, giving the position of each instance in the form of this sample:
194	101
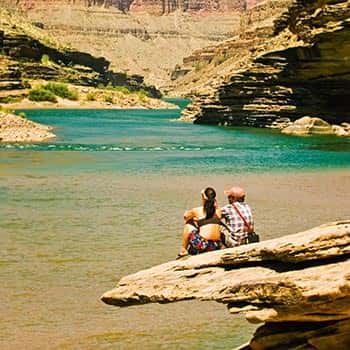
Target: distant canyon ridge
158	7
146	37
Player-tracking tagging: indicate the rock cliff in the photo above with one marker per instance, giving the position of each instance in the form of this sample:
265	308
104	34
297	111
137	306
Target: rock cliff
29	53
301	68
297	285
134	35
158	7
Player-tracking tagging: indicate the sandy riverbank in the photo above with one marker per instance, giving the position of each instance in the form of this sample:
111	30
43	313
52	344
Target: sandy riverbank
149	103
18	129
14	128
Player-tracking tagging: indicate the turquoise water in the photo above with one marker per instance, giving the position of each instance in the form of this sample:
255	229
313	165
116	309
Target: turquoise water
106	199
153	141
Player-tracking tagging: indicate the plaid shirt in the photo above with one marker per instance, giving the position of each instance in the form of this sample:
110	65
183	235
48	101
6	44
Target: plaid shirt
234	221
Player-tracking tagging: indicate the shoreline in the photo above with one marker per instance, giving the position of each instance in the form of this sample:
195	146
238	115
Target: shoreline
15	128
18	129
66	104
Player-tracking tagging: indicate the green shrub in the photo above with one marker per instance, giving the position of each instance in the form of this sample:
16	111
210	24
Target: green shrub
26	83
110	87
199	65
11	99
122	89
142	94
45	60
108	98
62	90
90	96
22	114
118	88
41	94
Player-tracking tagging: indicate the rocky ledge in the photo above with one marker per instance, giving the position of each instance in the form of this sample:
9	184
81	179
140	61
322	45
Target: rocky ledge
14	128
297	285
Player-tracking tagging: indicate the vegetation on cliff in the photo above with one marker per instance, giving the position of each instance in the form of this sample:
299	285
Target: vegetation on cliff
141	41
48	92
35	66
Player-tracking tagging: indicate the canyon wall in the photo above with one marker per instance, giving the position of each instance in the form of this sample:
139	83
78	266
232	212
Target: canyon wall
302	68
145	37
28	53
157	7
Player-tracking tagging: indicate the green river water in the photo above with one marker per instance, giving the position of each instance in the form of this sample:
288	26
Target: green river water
106	199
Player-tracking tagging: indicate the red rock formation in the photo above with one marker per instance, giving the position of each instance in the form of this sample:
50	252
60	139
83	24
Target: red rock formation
157	7
192	6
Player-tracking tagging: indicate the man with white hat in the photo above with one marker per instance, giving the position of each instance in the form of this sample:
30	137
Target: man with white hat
238	216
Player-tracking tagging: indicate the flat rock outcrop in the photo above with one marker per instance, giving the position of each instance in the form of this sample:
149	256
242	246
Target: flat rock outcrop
14	128
298	285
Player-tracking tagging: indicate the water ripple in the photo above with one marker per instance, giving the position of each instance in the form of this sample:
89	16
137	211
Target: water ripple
104	147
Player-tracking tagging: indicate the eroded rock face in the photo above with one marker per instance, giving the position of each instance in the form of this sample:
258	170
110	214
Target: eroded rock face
24	48
300	70
301	280
158	7
144	37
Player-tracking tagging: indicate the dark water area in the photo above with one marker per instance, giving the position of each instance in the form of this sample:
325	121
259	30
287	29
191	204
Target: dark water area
106	199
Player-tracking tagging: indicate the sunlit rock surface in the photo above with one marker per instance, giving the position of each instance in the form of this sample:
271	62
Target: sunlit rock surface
143	37
310	126
14	128
298	285
302	68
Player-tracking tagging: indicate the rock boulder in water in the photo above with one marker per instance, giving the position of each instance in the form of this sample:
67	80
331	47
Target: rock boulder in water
309	125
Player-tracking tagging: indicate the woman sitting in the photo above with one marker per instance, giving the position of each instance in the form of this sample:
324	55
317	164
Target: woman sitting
202	231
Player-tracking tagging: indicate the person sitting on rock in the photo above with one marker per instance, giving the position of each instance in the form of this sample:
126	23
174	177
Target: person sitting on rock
238	217
202	231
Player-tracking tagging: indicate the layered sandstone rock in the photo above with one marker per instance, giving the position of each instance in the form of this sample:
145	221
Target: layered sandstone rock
301	69
133	35
158	7
298	285
14	128
29	53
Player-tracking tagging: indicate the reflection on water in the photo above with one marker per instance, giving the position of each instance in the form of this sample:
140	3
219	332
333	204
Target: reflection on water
74	221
